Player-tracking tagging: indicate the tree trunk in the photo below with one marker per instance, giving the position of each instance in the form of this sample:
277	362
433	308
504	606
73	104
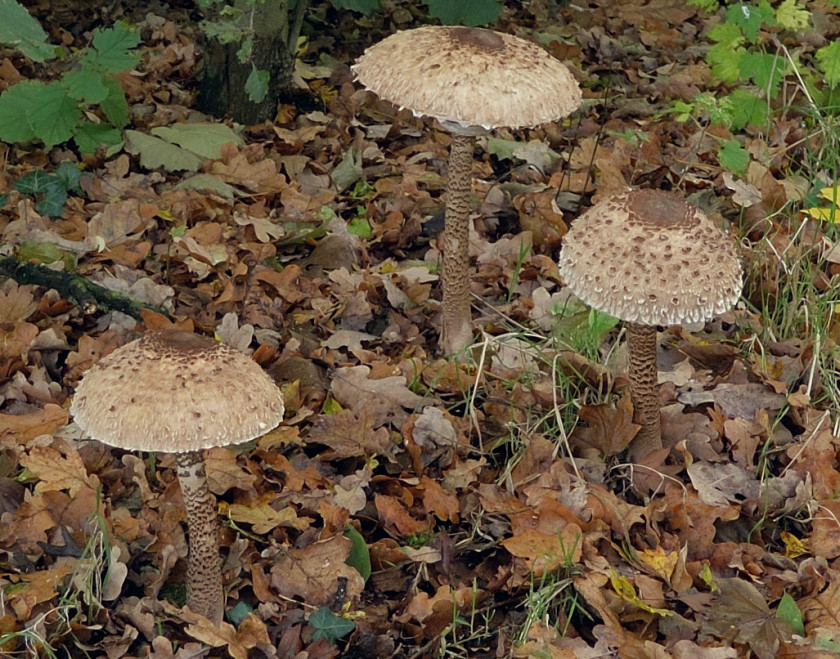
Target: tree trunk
276	28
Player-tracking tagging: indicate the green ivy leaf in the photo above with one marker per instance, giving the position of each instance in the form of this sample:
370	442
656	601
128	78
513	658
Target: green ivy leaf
329	626
828	58
68	173
365	7
34	182
734	157
468	12
56	117
54	199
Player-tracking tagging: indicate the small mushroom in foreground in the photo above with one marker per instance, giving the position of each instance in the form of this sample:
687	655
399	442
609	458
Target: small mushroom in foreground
471	80
179	392
650	258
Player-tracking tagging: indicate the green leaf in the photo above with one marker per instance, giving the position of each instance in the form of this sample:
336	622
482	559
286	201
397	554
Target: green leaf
734	157
256	85
54	199
89	136
19	30
468	12
29	250
114	48
750	18
359	226
114	105
329	626
155	152
727	35
791	16
747	109
86	86
828	58
204	138
359	556
68	173
239	612
366	7
56	117
766	70
706	5
35	182
16	104
790	613
725	61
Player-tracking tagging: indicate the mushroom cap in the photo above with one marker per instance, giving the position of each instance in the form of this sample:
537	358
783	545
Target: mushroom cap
175	391
469	77
649	257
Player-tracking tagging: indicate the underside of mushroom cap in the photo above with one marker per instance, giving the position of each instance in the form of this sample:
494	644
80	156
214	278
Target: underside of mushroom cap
175	391
650	257
470	77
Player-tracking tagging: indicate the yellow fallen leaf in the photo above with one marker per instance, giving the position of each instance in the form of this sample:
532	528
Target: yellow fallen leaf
824	214
661	563
262	517
794	547
627	591
57	470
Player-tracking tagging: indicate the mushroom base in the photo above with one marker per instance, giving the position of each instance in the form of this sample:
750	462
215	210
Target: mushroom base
644	390
204	573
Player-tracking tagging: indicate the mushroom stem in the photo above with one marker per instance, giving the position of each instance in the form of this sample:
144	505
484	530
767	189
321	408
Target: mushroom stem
457	320
204	573
644	389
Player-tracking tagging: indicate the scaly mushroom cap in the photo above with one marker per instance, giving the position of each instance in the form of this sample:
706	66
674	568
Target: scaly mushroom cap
175	391
469	77
649	257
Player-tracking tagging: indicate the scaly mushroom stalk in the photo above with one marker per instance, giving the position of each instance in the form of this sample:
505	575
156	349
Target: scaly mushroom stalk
204	573
471	80
644	389
456	333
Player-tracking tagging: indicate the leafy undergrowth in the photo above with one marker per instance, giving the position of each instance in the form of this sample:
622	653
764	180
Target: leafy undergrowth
490	493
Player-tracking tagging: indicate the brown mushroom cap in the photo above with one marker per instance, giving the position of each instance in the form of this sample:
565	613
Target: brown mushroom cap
649	257
470	77
175	391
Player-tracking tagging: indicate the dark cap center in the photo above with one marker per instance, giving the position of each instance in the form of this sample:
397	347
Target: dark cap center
482	39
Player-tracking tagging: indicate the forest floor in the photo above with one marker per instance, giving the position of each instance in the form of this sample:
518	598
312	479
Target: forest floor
491	493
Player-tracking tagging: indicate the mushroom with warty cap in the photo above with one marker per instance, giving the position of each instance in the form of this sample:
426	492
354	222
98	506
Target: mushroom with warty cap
650	258
179	392
471	80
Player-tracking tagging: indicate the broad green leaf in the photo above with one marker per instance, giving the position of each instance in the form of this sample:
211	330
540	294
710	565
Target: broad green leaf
16	104
747	109
155	152
239	612
114	48
19	30
55	196
366	7
468	12
359	556
725	61
204	138
86	86
256	86
330	626
734	157
750	18
764	69
705	5
29	250
359	226
114	105
56	117
791	16
828	58
89	136
727	35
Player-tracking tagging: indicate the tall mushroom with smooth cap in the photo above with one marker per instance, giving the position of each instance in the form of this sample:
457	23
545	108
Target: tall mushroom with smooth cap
471	80
181	393
650	258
